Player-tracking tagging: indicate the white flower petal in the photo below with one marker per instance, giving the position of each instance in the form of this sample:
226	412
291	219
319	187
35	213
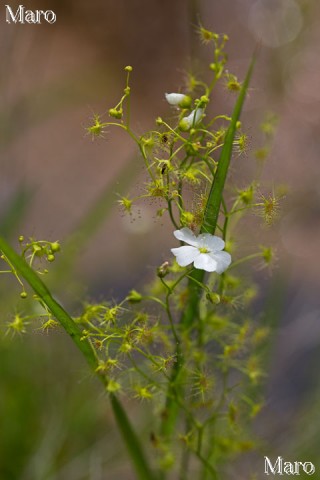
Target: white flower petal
223	260
175	98
197	115
206	262
185	255
186	235
215	260
213	243
192	119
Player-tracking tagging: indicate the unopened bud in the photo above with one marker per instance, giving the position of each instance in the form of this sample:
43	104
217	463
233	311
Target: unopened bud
163	270
55	247
113	112
213	298
134	297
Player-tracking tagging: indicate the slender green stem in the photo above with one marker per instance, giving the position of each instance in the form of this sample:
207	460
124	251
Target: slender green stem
131	441
212	210
154	299
185	457
246	259
171	214
173	329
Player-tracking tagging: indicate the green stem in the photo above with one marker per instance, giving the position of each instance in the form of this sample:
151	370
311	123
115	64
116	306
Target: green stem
171	214
129	436
131	441
246	259
212	210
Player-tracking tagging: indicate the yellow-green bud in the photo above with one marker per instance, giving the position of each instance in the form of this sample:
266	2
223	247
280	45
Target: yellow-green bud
185	102
184	125
134	297
113	112
204	100
55	247
23	295
50	257
128	68
213	298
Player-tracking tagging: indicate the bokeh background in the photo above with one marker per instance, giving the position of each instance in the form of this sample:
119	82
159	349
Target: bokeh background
57	184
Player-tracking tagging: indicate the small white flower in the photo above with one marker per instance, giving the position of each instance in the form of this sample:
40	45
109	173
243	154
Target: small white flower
192	119
204	251
176	99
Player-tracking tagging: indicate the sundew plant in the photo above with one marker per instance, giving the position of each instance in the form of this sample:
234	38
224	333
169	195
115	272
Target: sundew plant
186	344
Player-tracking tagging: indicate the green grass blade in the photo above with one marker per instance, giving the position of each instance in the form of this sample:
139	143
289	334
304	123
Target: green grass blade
29	275
130	438
212	209
209	224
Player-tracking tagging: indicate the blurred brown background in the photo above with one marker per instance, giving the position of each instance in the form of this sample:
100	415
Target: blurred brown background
55	77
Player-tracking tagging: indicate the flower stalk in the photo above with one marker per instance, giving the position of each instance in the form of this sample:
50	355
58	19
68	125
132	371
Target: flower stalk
196	277
178	342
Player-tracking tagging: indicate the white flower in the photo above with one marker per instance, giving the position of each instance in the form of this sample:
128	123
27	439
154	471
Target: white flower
178	100
192	119
204	251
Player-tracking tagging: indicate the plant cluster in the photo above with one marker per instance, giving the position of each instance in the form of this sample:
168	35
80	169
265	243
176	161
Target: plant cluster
186	343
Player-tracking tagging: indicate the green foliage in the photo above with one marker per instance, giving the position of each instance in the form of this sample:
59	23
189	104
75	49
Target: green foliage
186	343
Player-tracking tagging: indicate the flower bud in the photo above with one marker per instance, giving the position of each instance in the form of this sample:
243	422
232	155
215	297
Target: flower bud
113	112
134	297
55	247
204	100
178	100
213	298
192	119
162	271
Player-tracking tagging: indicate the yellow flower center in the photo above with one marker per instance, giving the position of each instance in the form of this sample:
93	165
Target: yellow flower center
203	250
